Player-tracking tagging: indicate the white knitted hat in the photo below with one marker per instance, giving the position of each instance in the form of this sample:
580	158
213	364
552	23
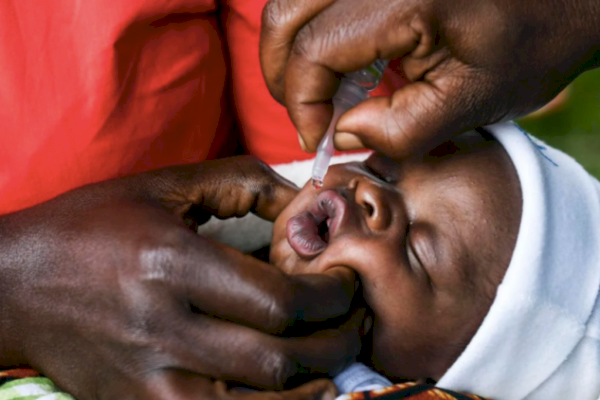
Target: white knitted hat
543	328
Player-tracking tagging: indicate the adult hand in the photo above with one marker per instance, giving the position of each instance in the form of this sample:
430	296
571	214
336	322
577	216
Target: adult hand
107	292
469	63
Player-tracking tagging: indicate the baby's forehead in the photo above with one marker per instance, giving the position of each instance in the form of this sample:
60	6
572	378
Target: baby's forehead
467	148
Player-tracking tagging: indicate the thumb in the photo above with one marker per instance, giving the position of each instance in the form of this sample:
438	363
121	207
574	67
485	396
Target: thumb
418	117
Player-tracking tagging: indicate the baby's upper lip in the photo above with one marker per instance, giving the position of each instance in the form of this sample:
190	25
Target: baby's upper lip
329	204
303	230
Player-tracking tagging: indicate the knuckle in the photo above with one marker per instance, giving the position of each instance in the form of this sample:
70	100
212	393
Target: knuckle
264	178
281	313
306	44
275	16
255	185
157	261
279	367
145	335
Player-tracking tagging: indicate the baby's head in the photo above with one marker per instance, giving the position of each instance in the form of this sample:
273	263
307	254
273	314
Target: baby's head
429	237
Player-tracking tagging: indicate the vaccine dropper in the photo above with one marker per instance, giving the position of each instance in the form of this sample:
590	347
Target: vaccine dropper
354	88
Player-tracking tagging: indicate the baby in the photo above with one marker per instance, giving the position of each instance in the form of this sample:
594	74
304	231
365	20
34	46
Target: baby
430	239
480	262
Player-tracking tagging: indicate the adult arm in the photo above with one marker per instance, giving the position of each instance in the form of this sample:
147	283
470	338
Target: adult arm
107	291
469	63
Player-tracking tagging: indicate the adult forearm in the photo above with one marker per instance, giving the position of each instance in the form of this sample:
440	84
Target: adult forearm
12	268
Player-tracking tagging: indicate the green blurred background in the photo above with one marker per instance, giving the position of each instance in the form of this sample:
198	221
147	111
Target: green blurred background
573	126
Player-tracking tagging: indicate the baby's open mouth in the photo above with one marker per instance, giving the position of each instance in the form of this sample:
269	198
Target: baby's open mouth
324	229
309	233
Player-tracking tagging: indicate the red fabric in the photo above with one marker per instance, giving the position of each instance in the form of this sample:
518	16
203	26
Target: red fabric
95	89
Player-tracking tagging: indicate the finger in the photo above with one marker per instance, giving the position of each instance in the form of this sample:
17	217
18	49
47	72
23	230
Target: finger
320	52
328	351
347	141
281	21
180	385
235	353
233	286
341	281
228	352
320	389
252	187
230	187
273	196
423	114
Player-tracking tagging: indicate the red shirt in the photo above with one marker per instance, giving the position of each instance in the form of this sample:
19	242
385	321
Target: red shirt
93	89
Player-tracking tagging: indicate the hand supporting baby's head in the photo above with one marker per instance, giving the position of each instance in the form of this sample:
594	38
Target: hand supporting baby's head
430	238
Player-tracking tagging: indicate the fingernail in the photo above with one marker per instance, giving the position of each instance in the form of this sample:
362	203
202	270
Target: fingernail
347	141
367	325
302	144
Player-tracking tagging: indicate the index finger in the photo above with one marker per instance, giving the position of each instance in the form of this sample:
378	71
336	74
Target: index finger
236	353
225	283
226	188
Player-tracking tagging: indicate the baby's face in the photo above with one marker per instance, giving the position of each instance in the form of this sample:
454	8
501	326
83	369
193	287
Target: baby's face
430	240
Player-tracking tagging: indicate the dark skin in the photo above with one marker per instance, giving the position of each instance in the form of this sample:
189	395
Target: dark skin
430	238
469	63
108	292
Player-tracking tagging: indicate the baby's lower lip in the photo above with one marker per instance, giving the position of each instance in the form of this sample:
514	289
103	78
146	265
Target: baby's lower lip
303	235
303	230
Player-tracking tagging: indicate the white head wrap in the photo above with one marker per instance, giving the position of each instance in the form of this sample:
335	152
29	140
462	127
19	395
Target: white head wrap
540	338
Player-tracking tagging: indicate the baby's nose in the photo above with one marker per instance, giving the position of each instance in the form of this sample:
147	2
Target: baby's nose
370	196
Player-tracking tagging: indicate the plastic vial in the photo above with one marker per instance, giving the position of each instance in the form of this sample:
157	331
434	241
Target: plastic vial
354	88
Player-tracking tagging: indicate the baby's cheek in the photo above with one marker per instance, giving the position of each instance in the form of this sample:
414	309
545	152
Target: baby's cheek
277	256
386	356
283	257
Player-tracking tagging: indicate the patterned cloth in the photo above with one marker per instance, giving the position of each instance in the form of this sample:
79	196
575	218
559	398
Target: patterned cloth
27	384
360	382
409	390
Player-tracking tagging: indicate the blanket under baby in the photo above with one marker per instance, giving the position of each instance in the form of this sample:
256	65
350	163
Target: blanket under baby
27	384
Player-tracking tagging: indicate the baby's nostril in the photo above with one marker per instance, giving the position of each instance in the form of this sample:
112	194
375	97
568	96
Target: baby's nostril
370	210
